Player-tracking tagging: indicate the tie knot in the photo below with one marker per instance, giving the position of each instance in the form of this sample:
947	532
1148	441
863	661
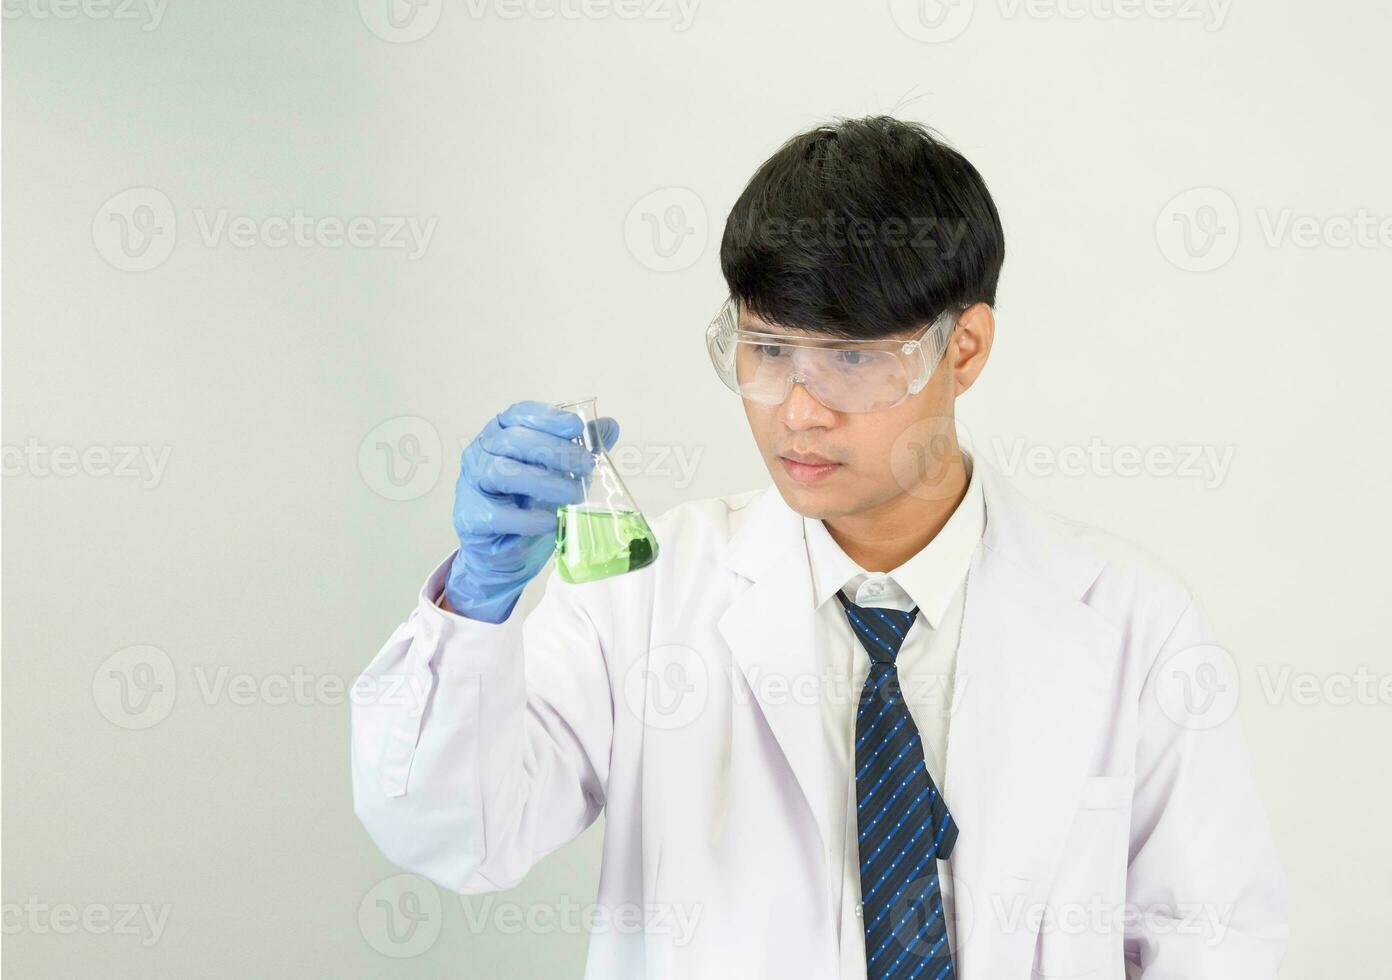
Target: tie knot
880	631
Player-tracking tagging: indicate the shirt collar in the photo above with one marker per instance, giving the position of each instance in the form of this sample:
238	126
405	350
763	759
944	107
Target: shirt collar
929	579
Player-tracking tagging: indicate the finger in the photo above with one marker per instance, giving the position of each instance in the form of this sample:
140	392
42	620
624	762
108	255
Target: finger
541	416
504	475
608	431
506	518
528	445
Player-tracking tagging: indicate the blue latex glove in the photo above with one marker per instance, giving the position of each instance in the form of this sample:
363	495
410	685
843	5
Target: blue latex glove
512	477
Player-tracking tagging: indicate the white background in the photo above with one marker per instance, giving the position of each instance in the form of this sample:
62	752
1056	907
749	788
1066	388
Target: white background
276	545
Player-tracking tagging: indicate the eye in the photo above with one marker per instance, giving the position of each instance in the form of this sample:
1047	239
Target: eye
768	350
853	358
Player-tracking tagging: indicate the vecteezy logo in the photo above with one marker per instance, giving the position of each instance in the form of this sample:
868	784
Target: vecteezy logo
932	21
1199	229
135	687
135	230
918	457
400	21
1197	687
666	230
669	688
401	916
401	459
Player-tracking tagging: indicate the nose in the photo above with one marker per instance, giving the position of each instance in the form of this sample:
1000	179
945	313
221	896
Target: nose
802	411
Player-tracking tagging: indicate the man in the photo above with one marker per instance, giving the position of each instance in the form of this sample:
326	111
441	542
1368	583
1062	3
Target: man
881	719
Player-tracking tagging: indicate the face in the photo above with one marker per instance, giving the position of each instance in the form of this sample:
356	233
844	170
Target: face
829	464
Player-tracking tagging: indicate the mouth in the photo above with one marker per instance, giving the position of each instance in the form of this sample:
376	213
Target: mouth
808	467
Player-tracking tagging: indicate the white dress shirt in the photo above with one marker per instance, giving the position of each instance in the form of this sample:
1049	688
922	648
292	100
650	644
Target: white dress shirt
934	579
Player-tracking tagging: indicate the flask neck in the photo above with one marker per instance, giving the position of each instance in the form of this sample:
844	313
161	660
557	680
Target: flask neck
590	436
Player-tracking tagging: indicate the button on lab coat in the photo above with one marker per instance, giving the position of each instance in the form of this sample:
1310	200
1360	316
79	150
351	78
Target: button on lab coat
1106	816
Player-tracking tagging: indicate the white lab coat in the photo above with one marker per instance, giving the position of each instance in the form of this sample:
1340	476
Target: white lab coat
681	699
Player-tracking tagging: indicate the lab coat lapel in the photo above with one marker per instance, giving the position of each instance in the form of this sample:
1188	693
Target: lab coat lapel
1033	665
1032	669
769	629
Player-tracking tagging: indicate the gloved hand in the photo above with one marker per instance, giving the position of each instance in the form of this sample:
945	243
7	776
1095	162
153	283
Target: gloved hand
512	477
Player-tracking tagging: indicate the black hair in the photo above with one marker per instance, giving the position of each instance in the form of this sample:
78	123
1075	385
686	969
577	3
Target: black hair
863	228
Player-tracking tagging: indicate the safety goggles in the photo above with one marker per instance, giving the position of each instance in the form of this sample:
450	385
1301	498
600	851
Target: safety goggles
844	375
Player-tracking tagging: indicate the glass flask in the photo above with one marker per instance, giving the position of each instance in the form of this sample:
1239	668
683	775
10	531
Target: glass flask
605	534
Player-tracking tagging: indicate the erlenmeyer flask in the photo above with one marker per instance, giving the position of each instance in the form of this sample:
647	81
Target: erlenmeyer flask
605	534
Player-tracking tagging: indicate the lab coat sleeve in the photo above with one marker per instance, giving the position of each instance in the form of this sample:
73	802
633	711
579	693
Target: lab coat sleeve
1206	896
477	748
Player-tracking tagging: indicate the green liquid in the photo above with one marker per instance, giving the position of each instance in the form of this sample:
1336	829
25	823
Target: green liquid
595	544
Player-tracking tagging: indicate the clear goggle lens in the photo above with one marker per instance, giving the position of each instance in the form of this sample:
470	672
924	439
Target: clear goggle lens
848	380
846	376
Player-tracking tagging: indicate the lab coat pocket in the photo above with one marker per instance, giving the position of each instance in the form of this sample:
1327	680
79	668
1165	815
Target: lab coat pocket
388	701
445	773
412	690
1082	924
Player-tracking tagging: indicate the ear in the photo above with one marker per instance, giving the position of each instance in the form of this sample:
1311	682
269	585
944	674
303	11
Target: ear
970	345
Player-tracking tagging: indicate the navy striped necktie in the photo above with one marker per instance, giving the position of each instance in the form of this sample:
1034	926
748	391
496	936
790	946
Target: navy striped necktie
904	824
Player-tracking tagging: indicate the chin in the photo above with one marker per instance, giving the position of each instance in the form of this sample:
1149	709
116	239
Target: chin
811	501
